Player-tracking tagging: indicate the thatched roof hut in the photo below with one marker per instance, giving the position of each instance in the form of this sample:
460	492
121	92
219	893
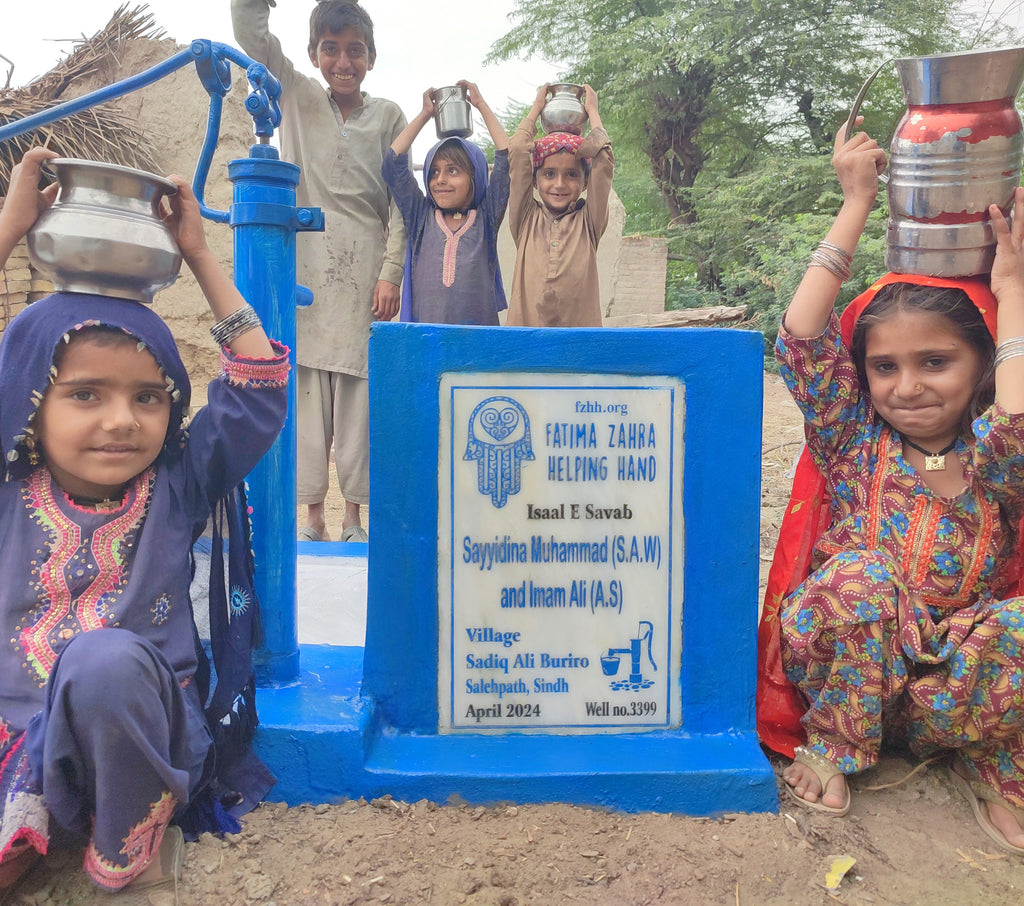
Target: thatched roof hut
157	128
103	133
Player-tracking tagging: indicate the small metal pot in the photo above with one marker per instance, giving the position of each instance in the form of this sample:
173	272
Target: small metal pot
564	111
103	234
454	117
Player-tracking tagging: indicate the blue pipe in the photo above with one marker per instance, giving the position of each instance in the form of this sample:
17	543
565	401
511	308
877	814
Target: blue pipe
265	219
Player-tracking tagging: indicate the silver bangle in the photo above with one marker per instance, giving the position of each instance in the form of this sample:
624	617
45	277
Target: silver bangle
846	257
826	259
834	259
1008	349
235	324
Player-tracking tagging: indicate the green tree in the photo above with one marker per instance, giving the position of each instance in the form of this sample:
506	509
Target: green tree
716	85
756	231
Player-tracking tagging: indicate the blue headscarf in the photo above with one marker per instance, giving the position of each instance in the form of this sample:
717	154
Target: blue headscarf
27	353
34	337
476	158
480	178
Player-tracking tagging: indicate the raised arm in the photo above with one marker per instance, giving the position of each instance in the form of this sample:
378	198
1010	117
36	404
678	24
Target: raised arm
857	163
590	106
497	132
24	202
185	222
528	124
1007	281
250	21
405	138
598	147
520	164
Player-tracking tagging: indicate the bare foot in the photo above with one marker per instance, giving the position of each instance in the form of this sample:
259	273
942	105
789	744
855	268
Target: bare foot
351	516
804	782
315	520
20	859
1006	822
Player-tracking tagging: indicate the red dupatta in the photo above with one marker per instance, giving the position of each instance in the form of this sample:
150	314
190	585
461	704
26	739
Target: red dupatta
780	705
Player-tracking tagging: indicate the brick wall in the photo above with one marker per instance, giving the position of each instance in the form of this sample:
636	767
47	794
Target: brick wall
20	284
638	285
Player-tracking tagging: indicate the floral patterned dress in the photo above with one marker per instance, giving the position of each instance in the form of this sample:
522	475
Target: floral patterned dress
901	626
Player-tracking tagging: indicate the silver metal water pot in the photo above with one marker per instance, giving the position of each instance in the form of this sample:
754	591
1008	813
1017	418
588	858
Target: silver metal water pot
564	111
956	150
103	233
454	117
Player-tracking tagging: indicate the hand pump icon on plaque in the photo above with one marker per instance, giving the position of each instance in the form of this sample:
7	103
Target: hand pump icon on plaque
610	661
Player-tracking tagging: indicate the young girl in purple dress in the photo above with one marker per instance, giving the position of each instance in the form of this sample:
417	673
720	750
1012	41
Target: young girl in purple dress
451	263
908	625
106	485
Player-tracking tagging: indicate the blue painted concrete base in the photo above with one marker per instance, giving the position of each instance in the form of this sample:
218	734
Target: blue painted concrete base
321	740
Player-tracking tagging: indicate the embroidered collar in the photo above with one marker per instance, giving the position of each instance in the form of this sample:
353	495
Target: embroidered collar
464	224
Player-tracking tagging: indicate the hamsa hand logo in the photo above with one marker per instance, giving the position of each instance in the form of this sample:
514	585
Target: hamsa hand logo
499	441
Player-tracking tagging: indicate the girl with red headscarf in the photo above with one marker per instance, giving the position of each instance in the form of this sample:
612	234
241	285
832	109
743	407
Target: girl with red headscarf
891	609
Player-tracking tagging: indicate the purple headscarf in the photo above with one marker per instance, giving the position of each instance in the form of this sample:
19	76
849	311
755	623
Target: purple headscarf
476	158
31	341
480	179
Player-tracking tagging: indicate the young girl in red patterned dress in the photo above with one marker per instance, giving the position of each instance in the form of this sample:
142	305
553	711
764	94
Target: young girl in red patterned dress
907	624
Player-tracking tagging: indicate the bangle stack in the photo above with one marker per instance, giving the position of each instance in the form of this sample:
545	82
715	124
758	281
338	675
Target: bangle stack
234	325
1008	349
833	258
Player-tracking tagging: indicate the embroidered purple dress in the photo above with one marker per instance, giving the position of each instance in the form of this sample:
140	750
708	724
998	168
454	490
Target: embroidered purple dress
903	624
102	734
451	277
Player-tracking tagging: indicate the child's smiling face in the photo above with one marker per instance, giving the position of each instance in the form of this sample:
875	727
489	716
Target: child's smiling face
343	60
104	419
921	374
451	186
560	180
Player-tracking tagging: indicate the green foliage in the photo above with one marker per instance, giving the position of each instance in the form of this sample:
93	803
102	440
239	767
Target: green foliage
753	237
721	83
723	115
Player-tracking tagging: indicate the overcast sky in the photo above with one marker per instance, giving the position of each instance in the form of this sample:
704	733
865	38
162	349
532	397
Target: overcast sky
419	44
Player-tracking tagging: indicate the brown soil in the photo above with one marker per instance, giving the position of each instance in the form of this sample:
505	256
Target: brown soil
914	841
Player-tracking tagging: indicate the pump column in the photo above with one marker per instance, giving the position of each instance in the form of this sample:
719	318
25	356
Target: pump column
264	219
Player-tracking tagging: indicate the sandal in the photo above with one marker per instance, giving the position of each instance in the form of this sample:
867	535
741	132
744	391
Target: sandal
824	770
974	792
163	891
308	533
354	534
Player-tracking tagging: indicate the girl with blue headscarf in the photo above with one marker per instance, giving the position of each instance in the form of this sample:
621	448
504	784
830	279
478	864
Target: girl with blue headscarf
451	262
105	484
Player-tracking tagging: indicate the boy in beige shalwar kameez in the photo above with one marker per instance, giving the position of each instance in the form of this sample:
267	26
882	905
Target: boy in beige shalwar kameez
338	135
555	283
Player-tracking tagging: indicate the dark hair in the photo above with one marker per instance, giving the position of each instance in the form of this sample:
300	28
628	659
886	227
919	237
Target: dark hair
329	17
584	163
960	313
100	334
453	151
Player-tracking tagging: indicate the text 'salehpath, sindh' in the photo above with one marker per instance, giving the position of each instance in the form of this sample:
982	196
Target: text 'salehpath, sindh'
560	552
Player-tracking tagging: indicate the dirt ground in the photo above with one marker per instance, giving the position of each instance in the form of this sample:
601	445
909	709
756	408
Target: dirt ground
913	838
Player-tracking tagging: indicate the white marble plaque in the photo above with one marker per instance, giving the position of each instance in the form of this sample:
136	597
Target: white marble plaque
559	552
